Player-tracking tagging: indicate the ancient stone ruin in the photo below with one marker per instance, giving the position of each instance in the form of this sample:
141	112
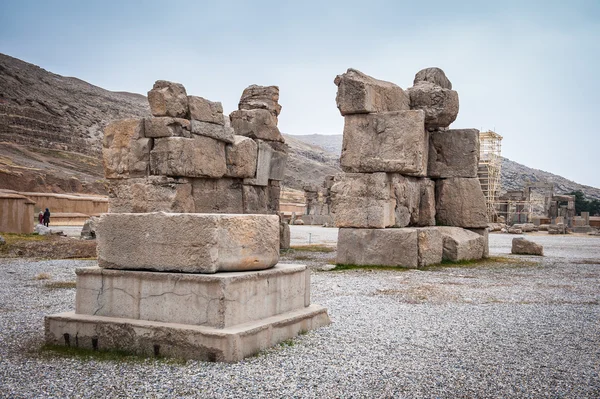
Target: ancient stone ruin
410	195
318	203
188	253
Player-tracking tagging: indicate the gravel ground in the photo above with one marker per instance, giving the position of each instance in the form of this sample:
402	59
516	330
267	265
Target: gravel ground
528	327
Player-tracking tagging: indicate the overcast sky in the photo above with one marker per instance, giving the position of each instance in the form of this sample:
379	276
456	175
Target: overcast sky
527	69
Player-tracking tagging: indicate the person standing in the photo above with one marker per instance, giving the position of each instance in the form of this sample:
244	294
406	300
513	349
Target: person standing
41	217
46	217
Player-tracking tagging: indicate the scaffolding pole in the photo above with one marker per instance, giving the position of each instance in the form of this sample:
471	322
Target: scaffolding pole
488	171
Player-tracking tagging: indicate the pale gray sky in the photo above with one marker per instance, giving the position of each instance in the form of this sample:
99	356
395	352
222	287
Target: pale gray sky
527	69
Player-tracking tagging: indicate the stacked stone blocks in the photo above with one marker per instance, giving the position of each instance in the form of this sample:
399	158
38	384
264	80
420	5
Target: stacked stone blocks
405	173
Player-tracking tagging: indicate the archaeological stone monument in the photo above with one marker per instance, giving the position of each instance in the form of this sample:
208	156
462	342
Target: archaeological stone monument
409	195
188	253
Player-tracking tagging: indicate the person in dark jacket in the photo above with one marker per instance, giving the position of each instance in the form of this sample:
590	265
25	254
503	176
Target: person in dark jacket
46	217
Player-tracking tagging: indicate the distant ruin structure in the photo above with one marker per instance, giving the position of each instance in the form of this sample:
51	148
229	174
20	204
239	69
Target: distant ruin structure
318	203
188	253
410	195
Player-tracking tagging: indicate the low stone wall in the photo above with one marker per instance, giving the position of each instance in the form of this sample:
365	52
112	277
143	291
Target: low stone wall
16	214
69	203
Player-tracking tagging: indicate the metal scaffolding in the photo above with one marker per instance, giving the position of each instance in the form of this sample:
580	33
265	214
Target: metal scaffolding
490	163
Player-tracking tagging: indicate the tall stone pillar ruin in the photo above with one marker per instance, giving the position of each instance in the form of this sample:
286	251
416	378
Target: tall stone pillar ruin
188	253
409	196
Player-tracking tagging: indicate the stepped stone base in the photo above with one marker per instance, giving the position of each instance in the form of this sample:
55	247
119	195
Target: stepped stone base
151	338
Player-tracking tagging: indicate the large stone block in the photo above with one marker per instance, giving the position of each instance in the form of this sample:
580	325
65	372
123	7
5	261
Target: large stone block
196	157
256	124
433	75
218	300
261	97
359	93
461	244
125	150
241	157
270	163
187	242
168	99
453	153
150	194
204	110
440	105
380	247
363	200
521	246
255	199
217	195
430	246
485	233
385	142
166	127
217	132
415	201
460	202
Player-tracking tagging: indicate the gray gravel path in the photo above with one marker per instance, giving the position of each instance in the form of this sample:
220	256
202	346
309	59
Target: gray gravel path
525	329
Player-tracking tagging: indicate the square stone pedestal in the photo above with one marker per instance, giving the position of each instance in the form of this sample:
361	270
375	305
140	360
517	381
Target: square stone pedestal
219	317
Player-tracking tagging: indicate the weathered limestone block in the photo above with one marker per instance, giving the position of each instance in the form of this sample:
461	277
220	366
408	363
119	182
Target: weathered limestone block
256	124
381	247
525	227
150	194
558	228
430	246
440	105
433	75
255	199
261	97
88	232
274	195
514	230
218	300
212	130
385	142
166	127
453	153
461	244
485	233
187	242
204	110
363	200
415	201
460	202
196	157
359	93
125	150
521	246
284	235
168	99
241	157
217	195
270	163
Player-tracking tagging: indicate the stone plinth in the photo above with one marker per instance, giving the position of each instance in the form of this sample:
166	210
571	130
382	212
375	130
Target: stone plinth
217	300
378	247
188	242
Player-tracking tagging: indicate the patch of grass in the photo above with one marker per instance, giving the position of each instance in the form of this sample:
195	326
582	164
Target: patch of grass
43	276
301	257
288	342
313	248
57	285
101	355
12	238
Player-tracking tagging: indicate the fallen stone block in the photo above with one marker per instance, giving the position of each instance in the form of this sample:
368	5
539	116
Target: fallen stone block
558	228
218	300
521	246
150	194
514	230
453	153
363	200
359	93
217	195
261	97
166	127
430	246
543	227
256	124
386	142
187	242
460	202
204	110
433	75
525	227
461	244
196	157
378	247
440	105
168	99
212	130
125	150
241	157
88	232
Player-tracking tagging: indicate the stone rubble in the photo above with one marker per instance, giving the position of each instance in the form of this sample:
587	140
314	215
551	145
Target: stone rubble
405	174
